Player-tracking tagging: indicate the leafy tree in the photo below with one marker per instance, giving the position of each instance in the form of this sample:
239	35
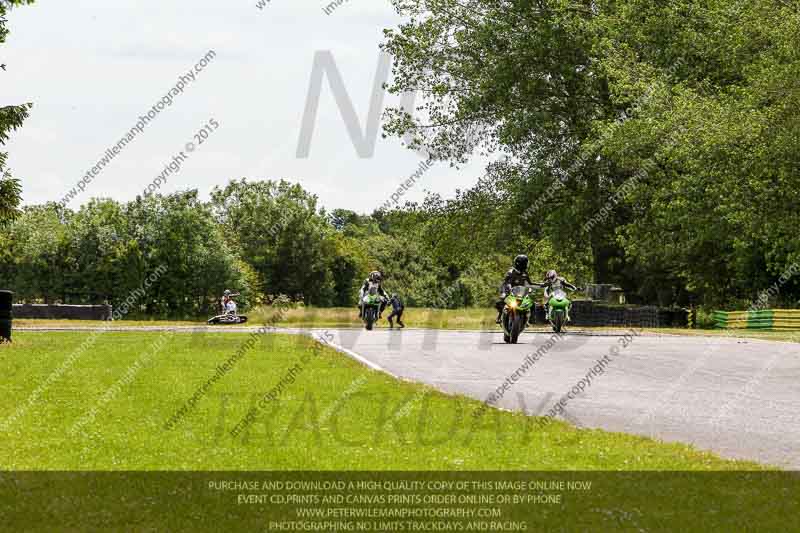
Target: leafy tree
11	118
519	79
35	252
278	229
714	140
180	232
102	262
674	120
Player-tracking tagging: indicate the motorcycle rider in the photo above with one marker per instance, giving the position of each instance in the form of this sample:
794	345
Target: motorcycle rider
230	307
225	300
516	276
553	282
374	277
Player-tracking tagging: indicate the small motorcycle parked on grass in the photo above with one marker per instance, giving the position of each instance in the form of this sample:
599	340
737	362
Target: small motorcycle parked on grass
516	313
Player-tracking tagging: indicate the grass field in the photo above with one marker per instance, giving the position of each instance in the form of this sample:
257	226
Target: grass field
102	404
467	318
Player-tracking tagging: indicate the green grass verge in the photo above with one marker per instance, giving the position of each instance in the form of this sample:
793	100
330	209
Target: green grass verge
473	318
336	415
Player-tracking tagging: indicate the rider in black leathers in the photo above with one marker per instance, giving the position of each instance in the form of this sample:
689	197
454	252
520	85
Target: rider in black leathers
374	277
515	277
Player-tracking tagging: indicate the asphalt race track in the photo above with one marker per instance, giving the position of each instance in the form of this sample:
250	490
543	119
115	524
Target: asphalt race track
737	397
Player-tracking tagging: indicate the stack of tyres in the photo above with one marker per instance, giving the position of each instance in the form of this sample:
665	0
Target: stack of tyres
582	313
5	316
539	314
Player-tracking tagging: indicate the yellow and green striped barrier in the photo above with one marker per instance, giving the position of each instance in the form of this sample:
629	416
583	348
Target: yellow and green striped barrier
761	319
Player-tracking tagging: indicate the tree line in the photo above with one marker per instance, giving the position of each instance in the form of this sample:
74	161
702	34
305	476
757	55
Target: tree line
659	142
259	238
651	145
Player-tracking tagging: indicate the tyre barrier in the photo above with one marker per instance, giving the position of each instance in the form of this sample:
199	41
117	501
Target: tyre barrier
782	319
6	315
63	312
590	313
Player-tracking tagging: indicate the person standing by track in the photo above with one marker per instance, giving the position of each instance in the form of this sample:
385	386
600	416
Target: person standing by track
397	311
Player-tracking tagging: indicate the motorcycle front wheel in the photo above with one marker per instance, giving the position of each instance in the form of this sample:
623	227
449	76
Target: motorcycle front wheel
558	321
369	318
517	325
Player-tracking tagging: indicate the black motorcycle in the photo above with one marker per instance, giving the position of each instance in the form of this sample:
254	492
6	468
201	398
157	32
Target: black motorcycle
230	316
227	319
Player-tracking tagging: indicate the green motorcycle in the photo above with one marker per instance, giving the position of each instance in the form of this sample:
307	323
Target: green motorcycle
519	306
558	309
371	307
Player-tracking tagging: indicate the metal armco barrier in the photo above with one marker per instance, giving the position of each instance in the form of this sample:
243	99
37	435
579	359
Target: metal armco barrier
784	319
6	315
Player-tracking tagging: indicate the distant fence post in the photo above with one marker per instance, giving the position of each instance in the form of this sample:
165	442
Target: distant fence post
6	315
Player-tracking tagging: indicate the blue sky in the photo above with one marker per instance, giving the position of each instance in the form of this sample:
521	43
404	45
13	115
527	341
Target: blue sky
92	67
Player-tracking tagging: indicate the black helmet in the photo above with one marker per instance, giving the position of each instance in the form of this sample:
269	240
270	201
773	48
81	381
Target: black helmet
521	263
375	277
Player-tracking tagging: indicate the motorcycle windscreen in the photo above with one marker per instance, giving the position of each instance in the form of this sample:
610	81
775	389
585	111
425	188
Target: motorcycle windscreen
519	292
555	303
